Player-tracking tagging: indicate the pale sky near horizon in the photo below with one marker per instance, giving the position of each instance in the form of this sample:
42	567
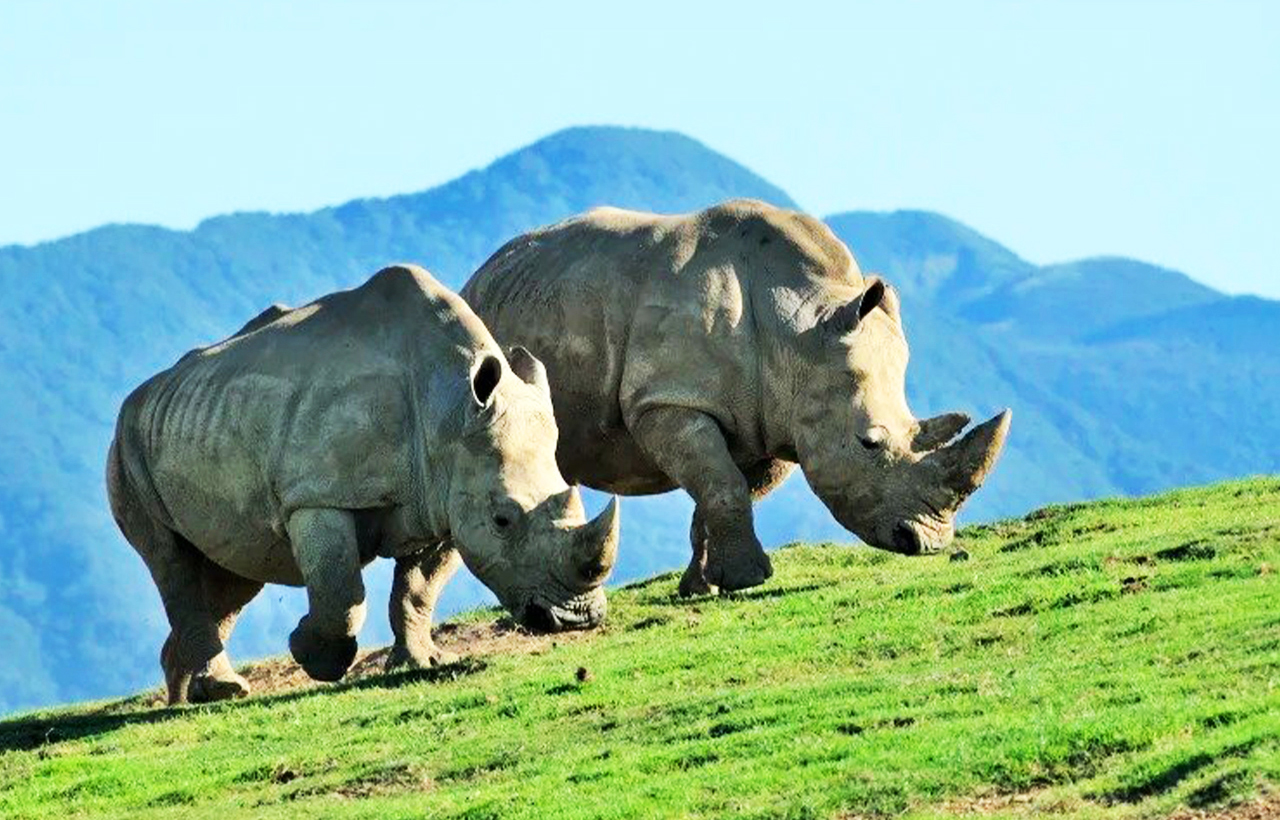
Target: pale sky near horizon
1060	129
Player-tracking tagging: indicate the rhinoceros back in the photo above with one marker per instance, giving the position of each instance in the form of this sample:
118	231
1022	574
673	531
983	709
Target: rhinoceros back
568	293
630	311
327	405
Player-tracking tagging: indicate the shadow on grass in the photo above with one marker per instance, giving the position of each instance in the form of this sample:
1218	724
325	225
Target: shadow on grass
24	734
39	730
765	594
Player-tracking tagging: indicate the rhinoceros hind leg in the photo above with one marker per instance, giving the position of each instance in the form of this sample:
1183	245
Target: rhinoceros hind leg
225	594
193	648
324	545
690	448
417	584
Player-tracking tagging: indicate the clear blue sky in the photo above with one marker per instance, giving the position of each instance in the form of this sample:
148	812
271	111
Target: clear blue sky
1062	129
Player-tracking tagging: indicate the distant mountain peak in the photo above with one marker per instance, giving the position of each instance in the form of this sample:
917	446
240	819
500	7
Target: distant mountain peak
592	137
927	255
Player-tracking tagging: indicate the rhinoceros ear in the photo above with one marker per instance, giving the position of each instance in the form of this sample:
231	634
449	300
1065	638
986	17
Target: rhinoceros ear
526	365
484	379
845	318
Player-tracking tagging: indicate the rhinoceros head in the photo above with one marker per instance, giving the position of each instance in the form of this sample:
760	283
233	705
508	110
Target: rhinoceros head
894	480
518	526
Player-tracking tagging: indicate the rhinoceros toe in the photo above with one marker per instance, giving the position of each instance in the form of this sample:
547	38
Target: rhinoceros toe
404	657
693	583
209	689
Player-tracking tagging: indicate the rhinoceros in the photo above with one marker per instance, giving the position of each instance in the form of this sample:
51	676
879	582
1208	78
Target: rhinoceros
382	421
715	350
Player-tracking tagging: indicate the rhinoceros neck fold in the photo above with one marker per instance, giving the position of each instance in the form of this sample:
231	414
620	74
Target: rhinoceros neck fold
440	359
777	415
783	316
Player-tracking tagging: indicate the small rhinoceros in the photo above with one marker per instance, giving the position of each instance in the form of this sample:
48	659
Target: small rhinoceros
379	421
713	351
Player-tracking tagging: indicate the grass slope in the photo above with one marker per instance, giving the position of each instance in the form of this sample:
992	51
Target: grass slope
1112	659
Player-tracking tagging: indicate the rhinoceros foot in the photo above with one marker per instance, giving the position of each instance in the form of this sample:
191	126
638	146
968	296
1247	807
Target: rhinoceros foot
417	657
693	583
323	657
210	688
743	569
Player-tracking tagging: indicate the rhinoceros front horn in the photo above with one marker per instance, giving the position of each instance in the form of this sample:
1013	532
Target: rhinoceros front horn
595	544
968	461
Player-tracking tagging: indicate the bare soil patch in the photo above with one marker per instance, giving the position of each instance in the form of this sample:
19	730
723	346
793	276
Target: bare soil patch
1266	807
273	676
466	640
1041	804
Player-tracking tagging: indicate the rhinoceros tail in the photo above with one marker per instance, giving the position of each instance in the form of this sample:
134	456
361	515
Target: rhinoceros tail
130	490
115	474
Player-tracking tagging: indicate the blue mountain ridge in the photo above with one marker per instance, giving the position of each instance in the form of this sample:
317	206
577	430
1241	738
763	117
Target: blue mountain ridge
1124	378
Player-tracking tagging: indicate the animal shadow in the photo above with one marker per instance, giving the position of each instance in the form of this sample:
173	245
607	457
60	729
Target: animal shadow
42	729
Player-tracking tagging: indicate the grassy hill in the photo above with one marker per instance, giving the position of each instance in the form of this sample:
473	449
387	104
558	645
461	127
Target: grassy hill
1113	659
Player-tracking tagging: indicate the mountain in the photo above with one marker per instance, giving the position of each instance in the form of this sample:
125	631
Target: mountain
1108	660
1124	378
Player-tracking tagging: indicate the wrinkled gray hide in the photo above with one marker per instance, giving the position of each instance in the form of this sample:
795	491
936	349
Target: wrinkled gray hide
382	421
713	351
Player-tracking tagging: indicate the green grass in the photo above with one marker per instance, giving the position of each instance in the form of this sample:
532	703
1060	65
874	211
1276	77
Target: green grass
1113	659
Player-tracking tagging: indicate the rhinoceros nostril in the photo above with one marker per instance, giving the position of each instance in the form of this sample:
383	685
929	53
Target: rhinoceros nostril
539	618
905	539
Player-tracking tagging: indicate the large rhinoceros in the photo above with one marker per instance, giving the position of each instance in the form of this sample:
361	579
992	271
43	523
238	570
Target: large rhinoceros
713	351
379	421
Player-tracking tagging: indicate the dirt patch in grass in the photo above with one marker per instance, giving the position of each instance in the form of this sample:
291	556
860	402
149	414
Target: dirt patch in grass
273	676
1266	807
1041	803
466	640
1035	803
390	780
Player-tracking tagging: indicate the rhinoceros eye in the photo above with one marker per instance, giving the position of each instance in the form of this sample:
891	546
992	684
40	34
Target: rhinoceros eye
505	517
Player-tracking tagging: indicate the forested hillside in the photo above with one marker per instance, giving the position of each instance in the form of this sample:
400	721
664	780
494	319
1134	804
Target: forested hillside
1123	377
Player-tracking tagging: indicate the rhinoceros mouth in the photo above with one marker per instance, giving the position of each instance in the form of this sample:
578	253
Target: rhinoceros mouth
912	538
583	611
540	618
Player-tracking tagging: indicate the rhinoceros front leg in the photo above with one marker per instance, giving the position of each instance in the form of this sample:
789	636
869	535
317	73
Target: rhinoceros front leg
761	478
324	545
694	582
689	447
417	584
